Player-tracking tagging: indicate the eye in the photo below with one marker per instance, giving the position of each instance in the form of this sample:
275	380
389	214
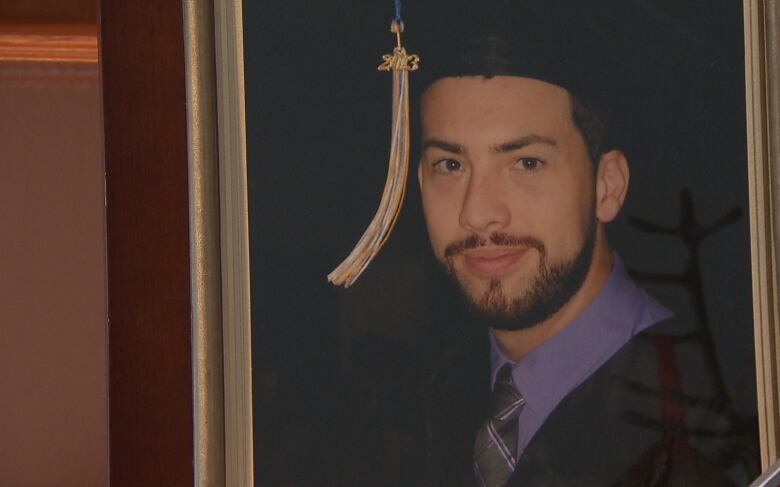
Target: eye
447	166
529	164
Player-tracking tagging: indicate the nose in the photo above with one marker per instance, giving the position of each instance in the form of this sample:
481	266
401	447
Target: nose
484	209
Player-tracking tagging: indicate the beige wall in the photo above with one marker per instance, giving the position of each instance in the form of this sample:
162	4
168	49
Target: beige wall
53	401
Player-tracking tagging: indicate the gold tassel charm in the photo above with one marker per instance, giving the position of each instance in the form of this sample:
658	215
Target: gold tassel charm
379	230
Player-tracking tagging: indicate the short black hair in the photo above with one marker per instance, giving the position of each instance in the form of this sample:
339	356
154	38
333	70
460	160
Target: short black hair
591	127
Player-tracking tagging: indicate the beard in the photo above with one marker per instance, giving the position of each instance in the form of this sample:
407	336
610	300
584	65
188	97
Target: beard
553	285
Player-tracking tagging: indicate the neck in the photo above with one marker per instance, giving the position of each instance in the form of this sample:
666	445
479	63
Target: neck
515	344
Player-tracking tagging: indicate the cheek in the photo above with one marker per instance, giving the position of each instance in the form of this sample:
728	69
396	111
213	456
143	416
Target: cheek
574	215
441	218
558	214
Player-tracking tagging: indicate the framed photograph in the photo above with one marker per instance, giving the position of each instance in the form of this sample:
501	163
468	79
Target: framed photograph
329	386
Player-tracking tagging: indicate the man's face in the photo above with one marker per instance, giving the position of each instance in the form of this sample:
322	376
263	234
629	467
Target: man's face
508	193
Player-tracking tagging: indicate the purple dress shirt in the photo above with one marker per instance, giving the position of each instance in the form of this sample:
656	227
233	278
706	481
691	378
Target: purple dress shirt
555	368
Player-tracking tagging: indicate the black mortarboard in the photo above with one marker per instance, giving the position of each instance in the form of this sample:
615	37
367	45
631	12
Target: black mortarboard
556	41
607	53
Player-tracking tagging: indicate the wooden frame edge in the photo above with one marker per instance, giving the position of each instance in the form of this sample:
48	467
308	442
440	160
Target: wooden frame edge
234	218
205	273
761	93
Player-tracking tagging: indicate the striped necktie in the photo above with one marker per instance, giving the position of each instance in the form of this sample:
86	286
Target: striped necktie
495	448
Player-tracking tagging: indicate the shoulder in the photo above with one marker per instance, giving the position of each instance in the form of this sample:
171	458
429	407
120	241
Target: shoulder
590	437
622	427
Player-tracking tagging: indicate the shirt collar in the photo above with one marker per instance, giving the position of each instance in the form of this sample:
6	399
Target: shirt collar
549	372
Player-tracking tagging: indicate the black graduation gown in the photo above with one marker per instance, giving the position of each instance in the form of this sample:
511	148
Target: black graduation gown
606	432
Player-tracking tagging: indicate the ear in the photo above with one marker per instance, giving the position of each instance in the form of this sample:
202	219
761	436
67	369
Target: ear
611	185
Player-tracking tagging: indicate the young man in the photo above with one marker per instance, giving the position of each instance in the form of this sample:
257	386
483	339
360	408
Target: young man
515	211
517	182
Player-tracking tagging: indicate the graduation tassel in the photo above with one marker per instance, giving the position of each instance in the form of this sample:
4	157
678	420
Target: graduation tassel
379	230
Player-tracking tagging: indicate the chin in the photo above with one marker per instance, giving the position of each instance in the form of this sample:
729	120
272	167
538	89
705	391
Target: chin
495	310
509	319
489	304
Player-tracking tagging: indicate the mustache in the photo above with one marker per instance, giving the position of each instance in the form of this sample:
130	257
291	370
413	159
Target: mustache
496	238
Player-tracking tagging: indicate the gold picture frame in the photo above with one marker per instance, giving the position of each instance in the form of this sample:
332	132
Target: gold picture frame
219	243
222	326
762	88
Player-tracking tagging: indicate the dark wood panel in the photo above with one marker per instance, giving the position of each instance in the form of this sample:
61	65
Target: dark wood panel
48	11
150	370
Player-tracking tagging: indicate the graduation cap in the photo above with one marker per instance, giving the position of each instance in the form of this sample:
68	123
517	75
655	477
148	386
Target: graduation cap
567	43
611	55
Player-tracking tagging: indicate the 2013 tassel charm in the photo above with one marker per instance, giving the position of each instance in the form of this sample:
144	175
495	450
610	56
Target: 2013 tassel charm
369	245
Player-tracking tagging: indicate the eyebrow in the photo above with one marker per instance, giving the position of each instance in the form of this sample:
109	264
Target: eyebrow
524	142
440	144
500	148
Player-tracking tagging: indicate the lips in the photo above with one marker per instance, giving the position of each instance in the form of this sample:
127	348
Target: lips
492	263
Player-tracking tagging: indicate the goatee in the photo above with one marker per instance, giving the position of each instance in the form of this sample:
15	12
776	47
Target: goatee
552	287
